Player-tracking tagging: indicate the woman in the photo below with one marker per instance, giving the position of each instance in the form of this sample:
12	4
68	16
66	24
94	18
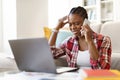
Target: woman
85	48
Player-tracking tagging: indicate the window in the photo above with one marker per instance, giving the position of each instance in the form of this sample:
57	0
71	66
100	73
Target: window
8	23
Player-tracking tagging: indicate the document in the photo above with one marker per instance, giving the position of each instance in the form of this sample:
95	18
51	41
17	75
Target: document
40	76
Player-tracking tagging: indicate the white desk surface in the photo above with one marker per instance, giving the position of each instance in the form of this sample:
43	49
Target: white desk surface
39	76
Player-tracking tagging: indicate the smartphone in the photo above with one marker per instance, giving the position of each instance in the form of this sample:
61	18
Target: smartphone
86	21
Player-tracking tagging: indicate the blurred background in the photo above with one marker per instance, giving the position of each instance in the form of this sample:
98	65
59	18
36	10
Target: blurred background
27	18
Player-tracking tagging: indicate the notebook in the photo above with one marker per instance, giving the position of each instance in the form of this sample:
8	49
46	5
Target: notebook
99	74
34	55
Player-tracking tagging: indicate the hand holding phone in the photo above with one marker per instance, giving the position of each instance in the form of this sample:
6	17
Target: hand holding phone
86	22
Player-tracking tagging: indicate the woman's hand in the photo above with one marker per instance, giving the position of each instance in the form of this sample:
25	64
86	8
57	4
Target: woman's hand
62	22
87	32
60	25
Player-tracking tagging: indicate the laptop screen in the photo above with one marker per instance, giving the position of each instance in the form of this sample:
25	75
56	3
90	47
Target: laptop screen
33	54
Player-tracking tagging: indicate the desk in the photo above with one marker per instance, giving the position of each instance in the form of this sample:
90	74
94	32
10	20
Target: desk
16	75
39	76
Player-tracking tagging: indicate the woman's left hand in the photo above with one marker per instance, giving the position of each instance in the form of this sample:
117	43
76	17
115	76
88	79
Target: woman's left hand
87	32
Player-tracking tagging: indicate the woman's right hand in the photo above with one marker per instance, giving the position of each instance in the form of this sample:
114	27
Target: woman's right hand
62	22
60	25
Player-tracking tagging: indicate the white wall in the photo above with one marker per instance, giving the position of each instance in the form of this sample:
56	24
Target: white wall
32	15
1	37
59	8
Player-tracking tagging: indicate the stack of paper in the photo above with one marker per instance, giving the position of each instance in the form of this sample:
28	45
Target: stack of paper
41	76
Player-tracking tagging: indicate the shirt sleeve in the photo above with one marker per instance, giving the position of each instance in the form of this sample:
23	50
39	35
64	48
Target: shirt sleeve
57	52
104	60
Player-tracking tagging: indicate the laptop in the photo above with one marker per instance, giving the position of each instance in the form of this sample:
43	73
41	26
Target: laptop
34	55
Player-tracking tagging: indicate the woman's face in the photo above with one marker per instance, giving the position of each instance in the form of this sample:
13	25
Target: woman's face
75	23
